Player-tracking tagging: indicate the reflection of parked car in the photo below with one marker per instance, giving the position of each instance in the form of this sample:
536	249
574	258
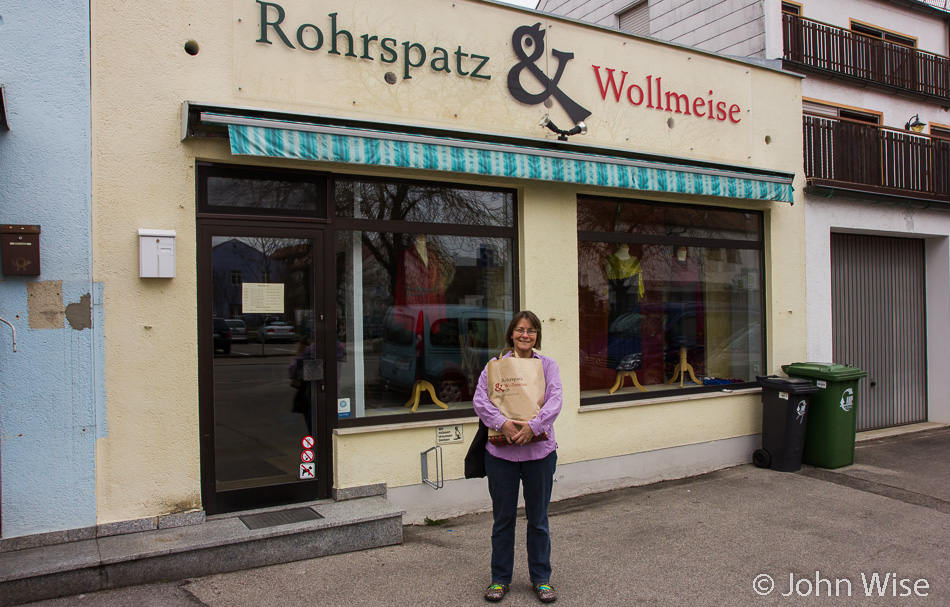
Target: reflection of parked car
222	335
238	329
445	345
276	330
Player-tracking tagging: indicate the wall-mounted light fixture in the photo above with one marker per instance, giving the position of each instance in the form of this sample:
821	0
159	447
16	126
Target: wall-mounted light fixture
579	129
914	124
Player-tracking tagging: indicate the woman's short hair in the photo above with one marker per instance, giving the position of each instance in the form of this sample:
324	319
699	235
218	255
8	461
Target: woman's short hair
531	318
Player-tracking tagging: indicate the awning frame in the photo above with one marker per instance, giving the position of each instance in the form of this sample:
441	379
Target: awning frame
222	121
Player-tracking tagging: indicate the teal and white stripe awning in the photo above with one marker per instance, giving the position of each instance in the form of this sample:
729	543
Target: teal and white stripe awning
307	141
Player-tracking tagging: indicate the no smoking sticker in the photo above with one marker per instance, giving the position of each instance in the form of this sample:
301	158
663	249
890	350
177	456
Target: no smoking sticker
306	455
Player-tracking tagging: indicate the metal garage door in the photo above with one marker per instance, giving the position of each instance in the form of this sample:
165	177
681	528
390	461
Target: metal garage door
879	324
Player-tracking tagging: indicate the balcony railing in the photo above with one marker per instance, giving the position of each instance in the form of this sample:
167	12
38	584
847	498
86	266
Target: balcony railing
863	157
835	51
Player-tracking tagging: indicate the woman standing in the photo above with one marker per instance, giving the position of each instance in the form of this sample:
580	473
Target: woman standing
526	462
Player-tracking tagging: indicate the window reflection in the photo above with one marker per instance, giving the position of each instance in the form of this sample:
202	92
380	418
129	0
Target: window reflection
418	317
430	204
262	405
246	193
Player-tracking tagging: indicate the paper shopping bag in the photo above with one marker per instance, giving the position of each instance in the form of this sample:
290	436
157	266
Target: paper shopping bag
516	388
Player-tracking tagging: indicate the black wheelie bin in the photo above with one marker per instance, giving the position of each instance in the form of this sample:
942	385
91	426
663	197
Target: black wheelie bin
784	418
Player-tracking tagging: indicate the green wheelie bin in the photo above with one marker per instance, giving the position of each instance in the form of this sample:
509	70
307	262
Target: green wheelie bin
832	416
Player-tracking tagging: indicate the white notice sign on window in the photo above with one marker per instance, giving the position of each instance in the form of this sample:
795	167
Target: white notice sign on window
262	298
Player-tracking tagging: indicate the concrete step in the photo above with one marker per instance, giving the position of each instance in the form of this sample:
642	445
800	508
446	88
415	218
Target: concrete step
222	543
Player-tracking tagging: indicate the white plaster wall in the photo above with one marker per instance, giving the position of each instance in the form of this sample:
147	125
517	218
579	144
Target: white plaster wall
824	216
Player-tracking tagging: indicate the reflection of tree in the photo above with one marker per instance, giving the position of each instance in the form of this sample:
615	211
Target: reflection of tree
258	255
263	193
410	202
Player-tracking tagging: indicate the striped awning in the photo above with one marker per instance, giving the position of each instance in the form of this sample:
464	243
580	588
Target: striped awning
307	141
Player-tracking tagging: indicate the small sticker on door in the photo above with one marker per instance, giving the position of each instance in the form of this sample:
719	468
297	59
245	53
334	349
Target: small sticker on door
343	407
308	471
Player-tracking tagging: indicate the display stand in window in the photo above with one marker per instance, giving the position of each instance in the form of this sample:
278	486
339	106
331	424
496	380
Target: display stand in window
625	289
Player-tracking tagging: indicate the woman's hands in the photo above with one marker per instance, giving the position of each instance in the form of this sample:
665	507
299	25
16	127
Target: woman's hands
517	432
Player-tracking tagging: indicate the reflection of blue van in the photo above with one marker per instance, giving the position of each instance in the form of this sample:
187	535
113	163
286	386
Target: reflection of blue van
446	345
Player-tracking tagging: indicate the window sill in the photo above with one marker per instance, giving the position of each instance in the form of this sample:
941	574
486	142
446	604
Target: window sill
431	423
667	399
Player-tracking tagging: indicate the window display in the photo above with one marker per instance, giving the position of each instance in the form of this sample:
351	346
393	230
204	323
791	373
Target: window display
421	310
670	297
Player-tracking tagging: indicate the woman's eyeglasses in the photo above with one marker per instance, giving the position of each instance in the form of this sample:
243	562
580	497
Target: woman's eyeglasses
520	331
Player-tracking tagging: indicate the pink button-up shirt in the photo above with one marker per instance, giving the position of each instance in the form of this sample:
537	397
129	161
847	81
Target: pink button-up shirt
544	422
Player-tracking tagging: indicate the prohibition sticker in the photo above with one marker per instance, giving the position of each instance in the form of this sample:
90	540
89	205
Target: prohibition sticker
307	442
306	455
308	471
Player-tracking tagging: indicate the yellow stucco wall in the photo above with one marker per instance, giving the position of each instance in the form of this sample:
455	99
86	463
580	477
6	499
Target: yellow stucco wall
143	177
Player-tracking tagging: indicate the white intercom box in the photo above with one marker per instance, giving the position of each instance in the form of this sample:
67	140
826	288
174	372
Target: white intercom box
156	253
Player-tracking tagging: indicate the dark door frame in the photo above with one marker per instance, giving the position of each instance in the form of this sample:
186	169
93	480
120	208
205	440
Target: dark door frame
324	416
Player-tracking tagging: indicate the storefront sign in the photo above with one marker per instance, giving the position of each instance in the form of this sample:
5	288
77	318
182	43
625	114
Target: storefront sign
665	101
275	25
533	38
473	66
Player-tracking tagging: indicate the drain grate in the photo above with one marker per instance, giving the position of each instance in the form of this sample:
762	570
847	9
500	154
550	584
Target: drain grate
281	517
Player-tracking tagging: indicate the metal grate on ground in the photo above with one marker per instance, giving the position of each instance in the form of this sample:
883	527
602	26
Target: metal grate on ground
280	517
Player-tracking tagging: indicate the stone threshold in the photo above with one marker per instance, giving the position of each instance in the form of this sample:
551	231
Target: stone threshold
222	543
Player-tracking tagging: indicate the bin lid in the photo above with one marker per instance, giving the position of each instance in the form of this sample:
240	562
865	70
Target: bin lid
827	371
787	384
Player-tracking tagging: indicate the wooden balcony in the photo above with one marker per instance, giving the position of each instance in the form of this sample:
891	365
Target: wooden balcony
863	158
812	46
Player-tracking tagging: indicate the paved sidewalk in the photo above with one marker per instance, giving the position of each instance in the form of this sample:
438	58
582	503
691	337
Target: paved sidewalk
696	542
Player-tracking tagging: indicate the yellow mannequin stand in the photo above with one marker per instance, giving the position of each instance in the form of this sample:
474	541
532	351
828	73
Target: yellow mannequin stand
619	383
417	389
682	368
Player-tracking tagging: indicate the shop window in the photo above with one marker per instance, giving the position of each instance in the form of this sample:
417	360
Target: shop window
673	294
424	293
252	191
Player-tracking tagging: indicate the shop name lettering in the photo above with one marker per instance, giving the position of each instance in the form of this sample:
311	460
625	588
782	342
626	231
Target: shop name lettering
309	37
507	383
656	98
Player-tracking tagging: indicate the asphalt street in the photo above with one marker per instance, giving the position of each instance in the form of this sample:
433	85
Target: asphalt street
876	533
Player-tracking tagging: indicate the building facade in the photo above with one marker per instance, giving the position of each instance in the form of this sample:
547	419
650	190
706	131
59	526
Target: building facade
876	153
312	222
51	383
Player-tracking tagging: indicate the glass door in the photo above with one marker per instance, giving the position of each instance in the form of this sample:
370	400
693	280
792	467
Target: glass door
261	363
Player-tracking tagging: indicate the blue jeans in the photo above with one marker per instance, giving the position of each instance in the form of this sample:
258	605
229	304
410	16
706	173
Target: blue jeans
504	478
